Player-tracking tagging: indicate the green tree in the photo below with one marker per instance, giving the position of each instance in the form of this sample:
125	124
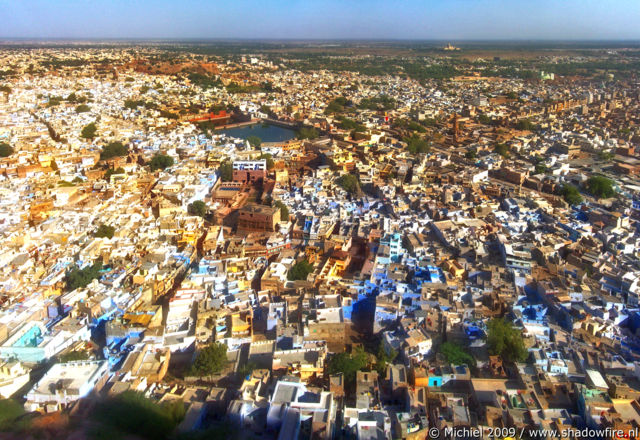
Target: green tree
600	187
502	150
132	414
269	159
10	410
111	171
5	150
80	278
307	133
348	364
417	145
505	340
198	208
82	108
349	183
336	106
105	231
254	141
160	162
113	149
74	356
471	154
383	358
571	194
456	355
226	171
89	131
541	168
300	270
210	360
284	211
525	124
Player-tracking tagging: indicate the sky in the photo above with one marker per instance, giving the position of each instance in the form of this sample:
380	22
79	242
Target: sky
319	19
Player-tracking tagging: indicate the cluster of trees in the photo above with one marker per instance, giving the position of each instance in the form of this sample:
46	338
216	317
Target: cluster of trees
571	194
349	364
416	144
300	271
382	102
5	150
205	81
601	187
113	149
408	124
131	414
76	99
80	278
502	150
209	361
111	171
226	171
505	340
350	124
254	141
349	183
337	105
456	355
307	133
525	124
284	211
269	159
198	208
89	131
383	358
105	231
160	162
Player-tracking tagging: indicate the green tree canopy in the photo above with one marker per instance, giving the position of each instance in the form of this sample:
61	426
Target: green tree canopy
210	360
502	150
111	171
336	106
160	162
600	187
89	131
284	211
525	124
307	133
105	231
254	141
383	358
300	270
82	108
198	208
132	414
505	340
226	171
269	159
80	278
5	150
349	183
417	145
10	410
571	194
113	149
348	364
456	355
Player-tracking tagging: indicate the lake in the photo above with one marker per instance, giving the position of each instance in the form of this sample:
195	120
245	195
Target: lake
266	132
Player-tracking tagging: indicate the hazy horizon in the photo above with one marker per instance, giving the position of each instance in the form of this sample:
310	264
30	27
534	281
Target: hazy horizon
278	20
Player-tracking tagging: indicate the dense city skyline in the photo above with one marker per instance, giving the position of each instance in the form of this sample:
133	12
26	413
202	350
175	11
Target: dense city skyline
455	20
